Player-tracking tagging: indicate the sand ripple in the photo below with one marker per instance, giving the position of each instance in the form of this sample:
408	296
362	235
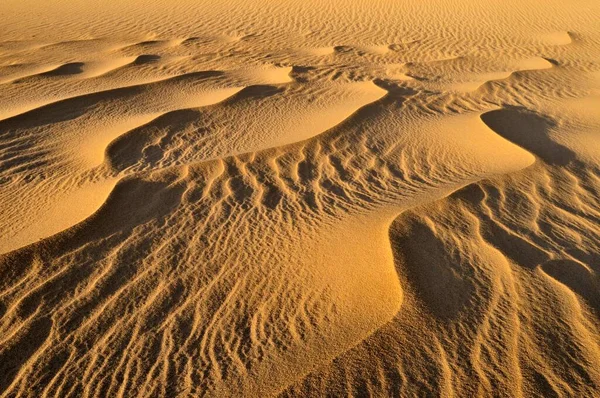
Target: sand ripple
250	199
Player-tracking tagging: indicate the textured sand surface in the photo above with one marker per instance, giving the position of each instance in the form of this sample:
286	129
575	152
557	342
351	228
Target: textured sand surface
299	198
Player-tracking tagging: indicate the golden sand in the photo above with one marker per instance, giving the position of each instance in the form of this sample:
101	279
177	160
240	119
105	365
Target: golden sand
299	198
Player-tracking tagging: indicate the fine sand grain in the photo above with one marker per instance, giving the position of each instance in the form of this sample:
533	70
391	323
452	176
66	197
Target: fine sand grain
299	198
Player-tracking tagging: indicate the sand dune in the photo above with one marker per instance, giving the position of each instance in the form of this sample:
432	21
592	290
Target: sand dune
299	198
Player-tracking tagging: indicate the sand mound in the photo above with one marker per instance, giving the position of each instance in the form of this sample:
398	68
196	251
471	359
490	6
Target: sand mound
256	198
557	38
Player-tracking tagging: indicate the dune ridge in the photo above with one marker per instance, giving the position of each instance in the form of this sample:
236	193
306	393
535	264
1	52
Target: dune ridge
256	199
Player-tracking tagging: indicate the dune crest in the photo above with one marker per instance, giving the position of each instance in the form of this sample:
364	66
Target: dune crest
299	198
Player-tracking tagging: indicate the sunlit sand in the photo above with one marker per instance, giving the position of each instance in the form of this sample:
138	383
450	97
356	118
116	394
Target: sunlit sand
299	198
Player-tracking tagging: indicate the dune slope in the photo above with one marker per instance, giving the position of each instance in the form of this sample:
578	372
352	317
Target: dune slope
209	198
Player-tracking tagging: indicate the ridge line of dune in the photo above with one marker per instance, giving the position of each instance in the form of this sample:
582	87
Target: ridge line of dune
110	91
445	197
137	174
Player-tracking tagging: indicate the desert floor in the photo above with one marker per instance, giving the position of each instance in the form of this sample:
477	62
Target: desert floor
299	198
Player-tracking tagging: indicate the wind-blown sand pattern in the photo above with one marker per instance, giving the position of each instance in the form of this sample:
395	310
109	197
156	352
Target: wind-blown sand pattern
299	198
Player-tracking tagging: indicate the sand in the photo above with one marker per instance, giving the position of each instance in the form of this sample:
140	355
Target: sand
299	198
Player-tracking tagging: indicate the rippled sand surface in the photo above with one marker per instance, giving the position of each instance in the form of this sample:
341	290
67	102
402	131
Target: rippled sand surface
299	198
